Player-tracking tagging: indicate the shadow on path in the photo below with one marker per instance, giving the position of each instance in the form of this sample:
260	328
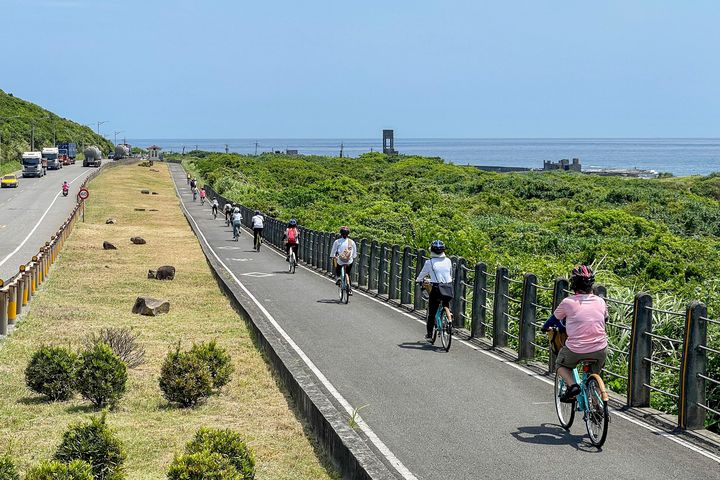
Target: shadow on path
422	345
550	434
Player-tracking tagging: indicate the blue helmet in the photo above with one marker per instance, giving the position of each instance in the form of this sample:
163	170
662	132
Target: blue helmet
437	246
292	223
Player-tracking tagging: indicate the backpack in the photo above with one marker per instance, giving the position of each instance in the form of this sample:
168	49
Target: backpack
347	253
292	235
556	340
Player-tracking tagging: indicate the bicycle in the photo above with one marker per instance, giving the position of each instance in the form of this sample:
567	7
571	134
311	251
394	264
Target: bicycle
257	240
592	401
443	321
202	200
292	260
236	231
194	191
344	285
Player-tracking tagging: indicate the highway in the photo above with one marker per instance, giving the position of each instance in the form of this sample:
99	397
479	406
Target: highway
429	414
31	213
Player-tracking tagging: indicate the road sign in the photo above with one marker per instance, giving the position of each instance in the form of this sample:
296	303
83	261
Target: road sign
83	194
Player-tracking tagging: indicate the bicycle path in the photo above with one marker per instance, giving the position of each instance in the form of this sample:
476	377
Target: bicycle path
458	415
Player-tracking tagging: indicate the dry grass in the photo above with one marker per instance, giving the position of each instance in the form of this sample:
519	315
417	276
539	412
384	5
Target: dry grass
91	288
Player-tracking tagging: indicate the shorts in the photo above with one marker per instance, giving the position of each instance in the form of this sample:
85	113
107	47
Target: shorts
569	359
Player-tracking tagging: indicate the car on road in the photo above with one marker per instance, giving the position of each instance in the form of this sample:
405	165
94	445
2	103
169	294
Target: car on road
9	181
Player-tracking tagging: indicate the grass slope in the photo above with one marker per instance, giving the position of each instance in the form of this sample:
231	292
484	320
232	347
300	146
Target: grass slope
91	288
16	119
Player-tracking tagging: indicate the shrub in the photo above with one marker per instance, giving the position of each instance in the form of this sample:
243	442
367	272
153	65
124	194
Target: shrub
185	378
101	376
122	341
51	372
56	470
218	361
202	466
7	469
227	443
96	444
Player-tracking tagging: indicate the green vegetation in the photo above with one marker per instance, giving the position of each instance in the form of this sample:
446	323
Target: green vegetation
95	443
661	236
17	117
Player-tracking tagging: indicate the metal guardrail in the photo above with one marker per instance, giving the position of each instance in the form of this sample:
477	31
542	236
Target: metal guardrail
509	311
17	292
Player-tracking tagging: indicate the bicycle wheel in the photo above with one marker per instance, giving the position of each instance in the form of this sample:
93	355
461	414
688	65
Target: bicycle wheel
565	411
445	330
597	417
291	261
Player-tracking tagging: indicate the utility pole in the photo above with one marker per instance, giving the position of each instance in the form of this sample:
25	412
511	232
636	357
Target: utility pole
256	145
226	148
183	150
196	148
115	133
100	123
342	146
32	138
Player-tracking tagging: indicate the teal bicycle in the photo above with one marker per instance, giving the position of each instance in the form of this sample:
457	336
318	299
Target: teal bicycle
344	285
443	321
592	401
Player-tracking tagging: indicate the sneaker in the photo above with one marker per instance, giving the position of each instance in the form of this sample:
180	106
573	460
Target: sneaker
337	282
428	337
570	393
350	292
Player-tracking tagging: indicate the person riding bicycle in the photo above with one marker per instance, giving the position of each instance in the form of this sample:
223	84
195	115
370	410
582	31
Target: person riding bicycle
343	252
257	222
215	206
585	315
439	270
202	195
65	187
236	221
291	236
227	210
188	178
193	183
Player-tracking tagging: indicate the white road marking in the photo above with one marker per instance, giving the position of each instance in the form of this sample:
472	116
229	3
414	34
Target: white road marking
670	436
2	262
394	461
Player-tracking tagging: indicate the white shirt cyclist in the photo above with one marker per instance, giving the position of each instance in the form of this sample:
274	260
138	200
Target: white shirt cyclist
257	221
438	268
340	245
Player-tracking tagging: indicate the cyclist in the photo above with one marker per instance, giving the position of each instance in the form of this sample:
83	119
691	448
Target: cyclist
215	206
188	179
194	192
193	183
584	315
202	196
257	222
343	253
236	221
439	270
227	210
292	235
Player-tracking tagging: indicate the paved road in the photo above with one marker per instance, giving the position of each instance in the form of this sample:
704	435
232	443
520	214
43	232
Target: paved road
458	415
33	212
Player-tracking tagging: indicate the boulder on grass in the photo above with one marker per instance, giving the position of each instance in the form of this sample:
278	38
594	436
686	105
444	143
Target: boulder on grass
108	246
150	306
139	209
138	240
145	192
110	221
154	193
166	272
152	273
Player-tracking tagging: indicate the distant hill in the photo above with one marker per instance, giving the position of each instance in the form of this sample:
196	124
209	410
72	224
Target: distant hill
16	119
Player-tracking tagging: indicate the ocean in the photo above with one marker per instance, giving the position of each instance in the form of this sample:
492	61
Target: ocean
683	156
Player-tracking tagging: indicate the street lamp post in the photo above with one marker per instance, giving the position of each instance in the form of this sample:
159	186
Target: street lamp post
100	123
116	134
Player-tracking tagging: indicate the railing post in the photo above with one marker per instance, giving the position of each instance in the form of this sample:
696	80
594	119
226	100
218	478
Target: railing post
20	294
479	306
3	312
328	260
372	274
640	349
314	250
362	265
500	308
559	293
527	318
12	304
692	386
459	280
404	277
417	296
393	281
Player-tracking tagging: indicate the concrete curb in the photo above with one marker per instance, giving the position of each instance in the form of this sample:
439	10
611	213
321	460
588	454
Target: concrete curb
346	449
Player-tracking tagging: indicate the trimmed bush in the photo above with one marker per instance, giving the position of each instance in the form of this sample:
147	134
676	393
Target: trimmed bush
101	376
227	443
122	341
7	469
202	466
51	372
56	470
218	361
185	378
95	443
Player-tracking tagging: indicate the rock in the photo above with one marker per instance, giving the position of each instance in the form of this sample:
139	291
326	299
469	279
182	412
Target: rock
152	273
166	272
138	240
110	221
108	246
139	209
150	306
153	210
145	192
155	193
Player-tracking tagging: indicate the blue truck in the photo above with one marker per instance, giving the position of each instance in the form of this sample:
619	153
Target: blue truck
67	152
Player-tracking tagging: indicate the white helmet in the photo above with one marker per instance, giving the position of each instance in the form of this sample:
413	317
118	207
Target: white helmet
236	210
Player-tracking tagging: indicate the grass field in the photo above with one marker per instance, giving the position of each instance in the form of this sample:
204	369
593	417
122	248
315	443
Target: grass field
91	288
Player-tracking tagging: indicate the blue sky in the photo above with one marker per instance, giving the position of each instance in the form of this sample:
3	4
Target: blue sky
338	69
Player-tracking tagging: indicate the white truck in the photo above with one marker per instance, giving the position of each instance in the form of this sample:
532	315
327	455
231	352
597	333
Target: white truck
32	164
93	157
52	156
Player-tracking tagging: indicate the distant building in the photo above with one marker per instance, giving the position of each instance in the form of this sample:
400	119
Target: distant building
290	152
389	142
154	152
563	164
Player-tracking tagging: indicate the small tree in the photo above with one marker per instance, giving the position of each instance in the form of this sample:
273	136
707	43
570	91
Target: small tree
227	443
202	466
95	443
123	343
218	361
7	469
51	372
101	376
56	470
185	378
